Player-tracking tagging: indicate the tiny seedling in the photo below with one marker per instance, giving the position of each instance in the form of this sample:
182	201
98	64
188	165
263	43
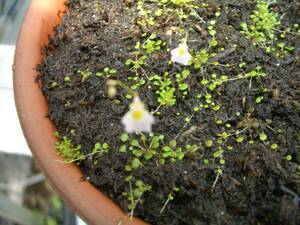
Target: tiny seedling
107	73
85	74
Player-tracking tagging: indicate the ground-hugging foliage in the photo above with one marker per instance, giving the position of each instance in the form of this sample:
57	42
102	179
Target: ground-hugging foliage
225	145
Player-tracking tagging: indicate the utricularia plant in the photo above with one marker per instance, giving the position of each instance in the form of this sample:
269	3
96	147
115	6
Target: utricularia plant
138	118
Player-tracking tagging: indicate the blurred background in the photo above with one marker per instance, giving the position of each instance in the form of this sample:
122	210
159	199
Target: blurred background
25	196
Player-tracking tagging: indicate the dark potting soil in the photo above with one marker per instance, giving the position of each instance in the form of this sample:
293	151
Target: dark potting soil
255	178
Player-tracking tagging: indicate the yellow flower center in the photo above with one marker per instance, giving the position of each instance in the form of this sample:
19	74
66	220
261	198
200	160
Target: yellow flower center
181	52
138	114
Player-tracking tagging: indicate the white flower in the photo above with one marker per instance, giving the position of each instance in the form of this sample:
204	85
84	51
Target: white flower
181	54
138	119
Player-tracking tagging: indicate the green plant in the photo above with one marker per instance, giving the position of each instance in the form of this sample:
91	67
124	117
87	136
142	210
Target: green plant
135	193
54	84
240	139
145	16
211	28
107	73
263	136
200	59
180	78
150	11
209	143
136	63
156	140
72	153
259	99
153	44
154	148
173	153
215	81
288	157
68	151
171	3
181	2
166	96
165	92
139	83
274	146
219	172
263	23
191	148
170	198
218	153
67	78
100	148
138	149
85	74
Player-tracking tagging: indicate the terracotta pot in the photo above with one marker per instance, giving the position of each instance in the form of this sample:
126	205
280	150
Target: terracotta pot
93	206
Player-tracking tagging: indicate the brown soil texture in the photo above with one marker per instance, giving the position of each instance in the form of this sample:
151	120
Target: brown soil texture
258	185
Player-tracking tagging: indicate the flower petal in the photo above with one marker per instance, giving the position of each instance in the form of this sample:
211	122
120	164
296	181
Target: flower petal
184	46
179	58
132	125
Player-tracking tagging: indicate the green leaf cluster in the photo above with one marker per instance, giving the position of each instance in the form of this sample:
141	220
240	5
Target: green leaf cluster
263	23
165	92
200	59
180	78
138	189
68	151
100	148
107	73
153	44
85	74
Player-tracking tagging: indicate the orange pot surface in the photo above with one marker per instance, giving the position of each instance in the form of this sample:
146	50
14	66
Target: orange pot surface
91	205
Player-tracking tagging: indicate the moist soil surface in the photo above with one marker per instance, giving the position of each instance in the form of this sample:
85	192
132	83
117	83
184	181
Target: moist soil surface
245	169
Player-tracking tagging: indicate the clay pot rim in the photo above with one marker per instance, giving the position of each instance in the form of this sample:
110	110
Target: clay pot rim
92	205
